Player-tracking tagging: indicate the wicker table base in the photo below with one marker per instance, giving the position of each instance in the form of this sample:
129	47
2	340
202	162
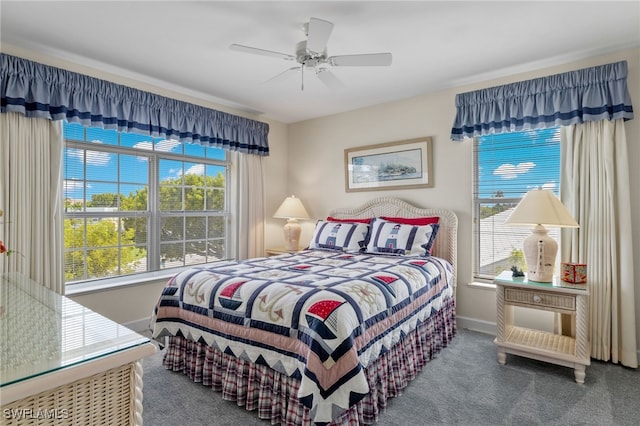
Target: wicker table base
63	364
113	397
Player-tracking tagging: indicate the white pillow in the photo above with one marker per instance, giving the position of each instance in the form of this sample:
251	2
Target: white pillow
339	236
400	239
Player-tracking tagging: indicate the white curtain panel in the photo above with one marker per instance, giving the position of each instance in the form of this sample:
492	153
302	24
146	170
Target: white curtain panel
595	188
30	196
251	206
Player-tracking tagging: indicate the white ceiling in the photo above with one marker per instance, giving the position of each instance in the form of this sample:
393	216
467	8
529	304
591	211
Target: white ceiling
184	46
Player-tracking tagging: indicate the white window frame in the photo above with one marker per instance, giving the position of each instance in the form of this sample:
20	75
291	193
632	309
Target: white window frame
153	213
480	275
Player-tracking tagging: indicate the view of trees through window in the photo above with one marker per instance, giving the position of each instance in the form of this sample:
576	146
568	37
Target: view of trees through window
135	204
506	167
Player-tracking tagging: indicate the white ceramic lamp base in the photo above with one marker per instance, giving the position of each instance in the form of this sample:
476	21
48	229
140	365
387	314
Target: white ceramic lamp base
292	231
540	252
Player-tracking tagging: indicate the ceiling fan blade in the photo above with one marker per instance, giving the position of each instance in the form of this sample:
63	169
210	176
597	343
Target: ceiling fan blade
318	35
363	60
283	75
256	51
329	78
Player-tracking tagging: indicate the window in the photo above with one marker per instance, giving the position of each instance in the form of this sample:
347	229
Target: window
506	166
135	204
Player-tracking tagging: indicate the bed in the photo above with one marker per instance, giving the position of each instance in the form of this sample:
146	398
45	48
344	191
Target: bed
326	335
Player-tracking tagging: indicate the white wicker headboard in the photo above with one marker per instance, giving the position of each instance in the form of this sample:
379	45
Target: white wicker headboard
446	244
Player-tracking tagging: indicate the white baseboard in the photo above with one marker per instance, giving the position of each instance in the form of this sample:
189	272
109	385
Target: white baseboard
476	325
139	326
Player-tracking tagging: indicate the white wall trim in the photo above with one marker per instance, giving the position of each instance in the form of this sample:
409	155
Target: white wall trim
474	324
139	326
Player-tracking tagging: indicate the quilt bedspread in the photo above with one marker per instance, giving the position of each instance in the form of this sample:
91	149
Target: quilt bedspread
318	316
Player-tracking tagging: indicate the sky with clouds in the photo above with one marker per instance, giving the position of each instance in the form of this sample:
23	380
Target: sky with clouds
101	168
515	171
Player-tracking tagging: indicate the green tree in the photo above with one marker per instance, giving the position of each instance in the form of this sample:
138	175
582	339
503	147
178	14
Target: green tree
191	193
105	258
136	202
488	211
103	200
70	205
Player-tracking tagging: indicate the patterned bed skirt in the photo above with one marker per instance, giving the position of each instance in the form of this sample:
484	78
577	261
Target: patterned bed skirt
274	395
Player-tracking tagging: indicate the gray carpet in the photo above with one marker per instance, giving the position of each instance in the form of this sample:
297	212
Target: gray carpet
463	385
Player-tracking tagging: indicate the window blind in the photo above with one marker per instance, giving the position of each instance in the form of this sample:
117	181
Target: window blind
506	167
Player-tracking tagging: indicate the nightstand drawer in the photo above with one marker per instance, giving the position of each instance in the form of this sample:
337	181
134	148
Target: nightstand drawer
540	298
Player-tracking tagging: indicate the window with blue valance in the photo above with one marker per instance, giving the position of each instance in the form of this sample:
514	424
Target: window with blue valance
42	91
589	94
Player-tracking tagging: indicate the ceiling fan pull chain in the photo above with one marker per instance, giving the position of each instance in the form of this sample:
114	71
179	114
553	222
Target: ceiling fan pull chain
302	78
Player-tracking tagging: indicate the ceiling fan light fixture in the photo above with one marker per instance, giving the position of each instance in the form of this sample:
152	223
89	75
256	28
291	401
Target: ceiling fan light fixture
312	53
311	63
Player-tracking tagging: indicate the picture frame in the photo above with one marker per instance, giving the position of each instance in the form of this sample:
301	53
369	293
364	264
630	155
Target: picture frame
403	164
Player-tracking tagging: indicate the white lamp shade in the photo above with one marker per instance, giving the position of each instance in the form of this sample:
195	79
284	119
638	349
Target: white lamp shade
541	207
291	208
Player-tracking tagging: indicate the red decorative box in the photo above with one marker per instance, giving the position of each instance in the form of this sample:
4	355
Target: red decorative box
575	273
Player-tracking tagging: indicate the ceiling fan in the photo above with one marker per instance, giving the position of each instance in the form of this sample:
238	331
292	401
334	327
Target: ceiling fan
312	54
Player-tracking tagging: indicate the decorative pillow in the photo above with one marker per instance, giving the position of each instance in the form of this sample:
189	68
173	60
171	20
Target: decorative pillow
401	239
339	236
333	219
413	220
429	246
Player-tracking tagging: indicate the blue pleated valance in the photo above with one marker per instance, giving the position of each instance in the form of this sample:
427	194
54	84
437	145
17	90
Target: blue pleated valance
38	90
589	94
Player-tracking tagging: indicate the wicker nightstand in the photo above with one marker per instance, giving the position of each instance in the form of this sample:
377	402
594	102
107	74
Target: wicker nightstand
560	297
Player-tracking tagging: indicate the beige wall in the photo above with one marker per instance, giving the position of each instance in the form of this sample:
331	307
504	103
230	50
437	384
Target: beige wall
316	167
307	160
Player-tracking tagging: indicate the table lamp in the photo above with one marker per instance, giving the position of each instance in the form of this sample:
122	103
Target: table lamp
292	210
540	208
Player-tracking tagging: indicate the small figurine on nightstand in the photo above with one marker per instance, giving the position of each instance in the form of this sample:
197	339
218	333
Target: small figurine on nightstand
516	272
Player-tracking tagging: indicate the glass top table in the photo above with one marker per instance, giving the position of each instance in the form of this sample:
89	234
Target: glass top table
42	332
